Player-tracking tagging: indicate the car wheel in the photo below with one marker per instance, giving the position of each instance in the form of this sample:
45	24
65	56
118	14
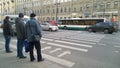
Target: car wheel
110	32
106	31
89	30
50	29
65	27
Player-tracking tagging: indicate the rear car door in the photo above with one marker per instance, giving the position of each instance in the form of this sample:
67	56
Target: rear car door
97	27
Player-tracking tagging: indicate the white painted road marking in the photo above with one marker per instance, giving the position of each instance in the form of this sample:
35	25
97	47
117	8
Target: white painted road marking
102	44
117	46
45	48
79	41
73	43
116	51
68	42
53	59
64	53
57	49
59	61
69	47
47	39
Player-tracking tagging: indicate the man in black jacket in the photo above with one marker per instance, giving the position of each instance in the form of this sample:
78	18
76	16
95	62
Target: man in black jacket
7	32
20	30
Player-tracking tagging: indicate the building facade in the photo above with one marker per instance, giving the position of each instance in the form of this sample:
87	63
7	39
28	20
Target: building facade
64	9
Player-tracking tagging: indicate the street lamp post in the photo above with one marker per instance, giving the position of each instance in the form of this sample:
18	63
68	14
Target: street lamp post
24	10
56	10
32	7
1	9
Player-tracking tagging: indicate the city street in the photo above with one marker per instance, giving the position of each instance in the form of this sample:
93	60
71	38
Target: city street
69	49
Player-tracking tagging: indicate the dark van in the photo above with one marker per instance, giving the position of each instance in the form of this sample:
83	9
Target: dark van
106	27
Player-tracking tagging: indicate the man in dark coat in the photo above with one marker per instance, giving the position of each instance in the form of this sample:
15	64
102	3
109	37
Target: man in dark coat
20	30
33	28
7	32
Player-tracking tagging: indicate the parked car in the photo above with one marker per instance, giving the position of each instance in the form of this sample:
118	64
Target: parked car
106	27
49	27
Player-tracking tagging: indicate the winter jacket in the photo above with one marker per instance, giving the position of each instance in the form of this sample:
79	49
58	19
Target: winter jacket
20	28
7	29
33	28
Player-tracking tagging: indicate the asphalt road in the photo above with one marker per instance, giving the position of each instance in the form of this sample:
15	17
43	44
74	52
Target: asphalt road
80	49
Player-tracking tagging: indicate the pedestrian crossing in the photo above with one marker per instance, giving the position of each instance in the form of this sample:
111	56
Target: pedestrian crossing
57	45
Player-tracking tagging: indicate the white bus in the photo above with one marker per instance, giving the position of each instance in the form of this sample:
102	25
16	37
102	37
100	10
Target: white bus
78	23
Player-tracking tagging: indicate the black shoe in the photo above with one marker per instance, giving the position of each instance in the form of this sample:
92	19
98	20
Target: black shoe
23	57
41	60
8	51
32	60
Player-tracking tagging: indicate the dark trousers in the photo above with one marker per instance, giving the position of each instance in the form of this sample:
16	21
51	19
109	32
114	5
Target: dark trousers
20	45
7	42
37	46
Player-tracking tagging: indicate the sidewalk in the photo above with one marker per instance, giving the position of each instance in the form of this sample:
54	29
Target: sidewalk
9	60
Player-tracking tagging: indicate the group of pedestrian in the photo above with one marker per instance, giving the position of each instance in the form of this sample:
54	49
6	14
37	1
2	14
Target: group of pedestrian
24	32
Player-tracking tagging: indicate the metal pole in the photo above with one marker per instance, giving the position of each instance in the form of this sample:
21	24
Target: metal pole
92	8
119	15
118	10
1	9
56	8
32	7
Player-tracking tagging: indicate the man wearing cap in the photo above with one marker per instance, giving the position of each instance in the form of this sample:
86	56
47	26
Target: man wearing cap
21	35
33	28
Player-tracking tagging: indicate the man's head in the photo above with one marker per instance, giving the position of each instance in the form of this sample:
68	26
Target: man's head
32	15
21	15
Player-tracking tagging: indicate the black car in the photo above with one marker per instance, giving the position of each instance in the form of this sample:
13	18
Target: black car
106	27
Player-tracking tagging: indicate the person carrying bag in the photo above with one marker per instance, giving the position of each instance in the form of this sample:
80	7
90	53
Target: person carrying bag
34	34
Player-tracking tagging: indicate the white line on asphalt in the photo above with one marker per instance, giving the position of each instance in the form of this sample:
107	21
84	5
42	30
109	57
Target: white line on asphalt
69	47
47	39
68	42
59	61
102	44
14	40
117	46
45	48
116	51
57	49
64	53
73	43
42	42
80	41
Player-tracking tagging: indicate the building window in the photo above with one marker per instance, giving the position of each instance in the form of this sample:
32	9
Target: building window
102	6
115	4
60	17
48	10
53	10
108	5
95	6
65	9
61	10
87	6
69	9
74	9
80	8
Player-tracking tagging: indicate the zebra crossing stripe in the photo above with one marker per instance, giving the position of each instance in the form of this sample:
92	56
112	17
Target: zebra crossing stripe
73	43
67	42
69	47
